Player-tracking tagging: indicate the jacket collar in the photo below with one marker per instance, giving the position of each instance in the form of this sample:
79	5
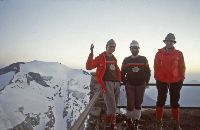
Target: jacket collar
163	50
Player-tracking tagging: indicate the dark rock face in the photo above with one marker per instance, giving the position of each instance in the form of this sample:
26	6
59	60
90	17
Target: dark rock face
23	126
13	67
51	117
37	77
85	72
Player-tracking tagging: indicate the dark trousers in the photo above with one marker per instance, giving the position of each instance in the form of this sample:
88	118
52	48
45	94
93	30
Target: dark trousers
135	94
174	92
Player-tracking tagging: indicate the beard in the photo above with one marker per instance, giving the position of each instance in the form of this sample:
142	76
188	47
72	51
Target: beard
134	53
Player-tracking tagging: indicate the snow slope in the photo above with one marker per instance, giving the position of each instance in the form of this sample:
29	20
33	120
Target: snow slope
46	94
2	65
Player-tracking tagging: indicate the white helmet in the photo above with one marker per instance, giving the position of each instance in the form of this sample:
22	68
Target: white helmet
134	43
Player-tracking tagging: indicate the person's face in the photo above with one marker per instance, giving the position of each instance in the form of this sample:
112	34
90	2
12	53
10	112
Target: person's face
110	48
134	50
169	44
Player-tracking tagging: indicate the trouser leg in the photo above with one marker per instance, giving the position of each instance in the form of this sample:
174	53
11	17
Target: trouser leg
174	90
112	92
130	94
162	89
111	98
139	95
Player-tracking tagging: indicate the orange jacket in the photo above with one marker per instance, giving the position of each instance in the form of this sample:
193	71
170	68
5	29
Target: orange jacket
169	67
99	62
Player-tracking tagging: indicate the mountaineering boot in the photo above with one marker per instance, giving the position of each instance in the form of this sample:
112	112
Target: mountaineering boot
159	125
113	126
135	124
176	125
176	118
107	127
110	122
159	116
130	125
110	127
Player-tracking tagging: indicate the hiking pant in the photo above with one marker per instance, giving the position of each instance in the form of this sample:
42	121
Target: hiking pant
111	96
135	96
174	92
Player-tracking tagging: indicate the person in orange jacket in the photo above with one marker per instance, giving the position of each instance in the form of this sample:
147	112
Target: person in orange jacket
169	73
109	77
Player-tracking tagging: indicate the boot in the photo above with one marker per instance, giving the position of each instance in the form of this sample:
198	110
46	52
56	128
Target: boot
159	125
110	127
135	124
107	127
108	122
159	116
176	118
114	126
130	124
176	125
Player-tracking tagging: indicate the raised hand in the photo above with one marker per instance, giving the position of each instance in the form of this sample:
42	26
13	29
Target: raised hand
91	48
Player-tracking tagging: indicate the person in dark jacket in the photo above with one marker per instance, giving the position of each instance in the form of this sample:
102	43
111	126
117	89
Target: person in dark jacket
135	73
169	73
109	78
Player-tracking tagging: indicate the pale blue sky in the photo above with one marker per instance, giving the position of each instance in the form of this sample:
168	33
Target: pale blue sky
62	30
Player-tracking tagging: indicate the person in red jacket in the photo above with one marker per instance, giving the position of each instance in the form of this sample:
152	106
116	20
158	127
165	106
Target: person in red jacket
169	73
109	77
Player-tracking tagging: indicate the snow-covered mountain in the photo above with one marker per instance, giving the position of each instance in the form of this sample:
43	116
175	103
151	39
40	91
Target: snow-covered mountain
2	65
193	82
41	95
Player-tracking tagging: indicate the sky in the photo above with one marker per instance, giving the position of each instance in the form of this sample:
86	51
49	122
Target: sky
62	30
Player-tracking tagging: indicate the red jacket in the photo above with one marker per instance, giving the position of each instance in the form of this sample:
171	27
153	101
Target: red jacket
100	63
169	67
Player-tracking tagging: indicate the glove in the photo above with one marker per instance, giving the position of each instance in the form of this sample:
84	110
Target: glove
91	48
124	82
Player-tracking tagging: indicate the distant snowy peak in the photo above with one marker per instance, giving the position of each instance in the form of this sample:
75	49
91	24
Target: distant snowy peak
13	67
2	66
193	82
44	69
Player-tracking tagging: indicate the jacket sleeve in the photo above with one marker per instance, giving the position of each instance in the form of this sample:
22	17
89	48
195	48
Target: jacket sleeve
123	72
182	67
147	72
91	63
156	65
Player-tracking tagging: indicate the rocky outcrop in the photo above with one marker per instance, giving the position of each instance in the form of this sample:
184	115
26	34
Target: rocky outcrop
51	122
37	77
85	72
13	67
23	126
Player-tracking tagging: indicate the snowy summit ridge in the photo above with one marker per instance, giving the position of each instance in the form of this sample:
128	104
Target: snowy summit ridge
41	95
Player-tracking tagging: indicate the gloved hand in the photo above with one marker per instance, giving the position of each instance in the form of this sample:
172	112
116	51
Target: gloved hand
91	48
124	82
